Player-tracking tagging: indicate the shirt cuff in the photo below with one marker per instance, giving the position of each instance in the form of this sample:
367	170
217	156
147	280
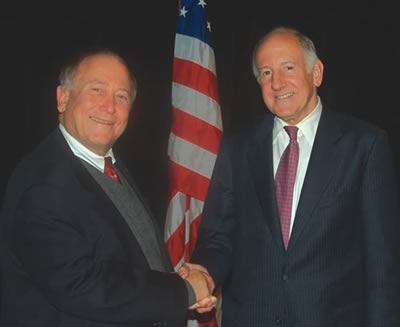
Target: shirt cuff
191	294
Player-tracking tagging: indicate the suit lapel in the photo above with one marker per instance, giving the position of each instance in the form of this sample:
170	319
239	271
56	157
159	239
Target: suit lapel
260	164
319	172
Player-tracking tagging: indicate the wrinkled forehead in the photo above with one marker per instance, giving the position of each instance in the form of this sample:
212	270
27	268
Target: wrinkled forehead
280	40
280	47
106	63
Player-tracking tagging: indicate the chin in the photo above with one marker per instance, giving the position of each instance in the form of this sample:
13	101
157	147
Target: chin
284	113
101	144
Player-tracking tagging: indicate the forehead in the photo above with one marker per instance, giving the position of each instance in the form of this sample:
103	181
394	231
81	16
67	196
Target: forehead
104	68
280	47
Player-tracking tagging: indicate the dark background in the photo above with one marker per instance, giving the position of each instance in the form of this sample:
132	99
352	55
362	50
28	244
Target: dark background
358	41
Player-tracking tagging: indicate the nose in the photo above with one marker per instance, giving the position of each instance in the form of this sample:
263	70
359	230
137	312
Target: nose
277	82
108	103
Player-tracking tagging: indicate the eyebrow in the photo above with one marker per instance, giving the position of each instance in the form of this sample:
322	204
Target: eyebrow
281	64
95	81
288	62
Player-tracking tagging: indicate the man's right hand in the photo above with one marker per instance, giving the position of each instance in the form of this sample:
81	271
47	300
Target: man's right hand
188	267
202	284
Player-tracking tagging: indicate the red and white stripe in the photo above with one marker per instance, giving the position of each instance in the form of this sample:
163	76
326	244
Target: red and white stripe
193	144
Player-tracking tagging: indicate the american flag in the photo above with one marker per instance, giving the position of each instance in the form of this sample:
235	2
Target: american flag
196	131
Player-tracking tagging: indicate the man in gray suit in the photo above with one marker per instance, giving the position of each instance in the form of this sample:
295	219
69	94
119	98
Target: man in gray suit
80	248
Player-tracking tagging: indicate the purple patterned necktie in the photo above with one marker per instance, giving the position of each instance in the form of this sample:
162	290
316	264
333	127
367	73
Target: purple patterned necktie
109	170
284	181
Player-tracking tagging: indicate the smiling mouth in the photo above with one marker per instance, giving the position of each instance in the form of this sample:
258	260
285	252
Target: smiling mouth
98	120
284	96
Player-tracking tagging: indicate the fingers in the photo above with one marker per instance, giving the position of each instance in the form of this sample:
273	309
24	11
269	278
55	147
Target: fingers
186	268
192	266
183	272
202	284
204	305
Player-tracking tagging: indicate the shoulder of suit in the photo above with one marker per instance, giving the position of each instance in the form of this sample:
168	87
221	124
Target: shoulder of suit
349	128
356	125
50	156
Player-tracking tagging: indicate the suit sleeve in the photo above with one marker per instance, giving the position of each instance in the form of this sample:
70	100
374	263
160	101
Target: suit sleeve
380	210
49	236
215	237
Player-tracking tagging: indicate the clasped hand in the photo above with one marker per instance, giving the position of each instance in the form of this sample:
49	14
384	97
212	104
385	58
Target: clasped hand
202	284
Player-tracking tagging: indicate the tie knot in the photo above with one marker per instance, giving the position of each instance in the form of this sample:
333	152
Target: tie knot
292	132
107	162
109	170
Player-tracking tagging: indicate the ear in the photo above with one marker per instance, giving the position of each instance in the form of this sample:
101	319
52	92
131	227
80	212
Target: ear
318	72
62	99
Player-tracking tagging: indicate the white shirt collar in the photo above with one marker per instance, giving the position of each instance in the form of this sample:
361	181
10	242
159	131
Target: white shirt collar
307	127
84	153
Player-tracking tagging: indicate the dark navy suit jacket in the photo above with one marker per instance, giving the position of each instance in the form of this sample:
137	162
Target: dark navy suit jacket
70	258
341	267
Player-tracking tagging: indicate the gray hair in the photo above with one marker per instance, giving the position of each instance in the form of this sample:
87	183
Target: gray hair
310	53
70	69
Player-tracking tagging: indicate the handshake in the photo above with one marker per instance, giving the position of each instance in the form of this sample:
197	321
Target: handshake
202	284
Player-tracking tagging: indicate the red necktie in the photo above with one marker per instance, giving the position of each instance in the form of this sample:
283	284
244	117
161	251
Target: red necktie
284	181
109	170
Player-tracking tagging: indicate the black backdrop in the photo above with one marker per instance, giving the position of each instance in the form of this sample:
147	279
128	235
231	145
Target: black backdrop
357	41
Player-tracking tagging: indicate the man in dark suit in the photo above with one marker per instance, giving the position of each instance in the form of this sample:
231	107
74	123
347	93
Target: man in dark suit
301	222
81	248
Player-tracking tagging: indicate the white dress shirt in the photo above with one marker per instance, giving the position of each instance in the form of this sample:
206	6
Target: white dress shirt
84	153
305	138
